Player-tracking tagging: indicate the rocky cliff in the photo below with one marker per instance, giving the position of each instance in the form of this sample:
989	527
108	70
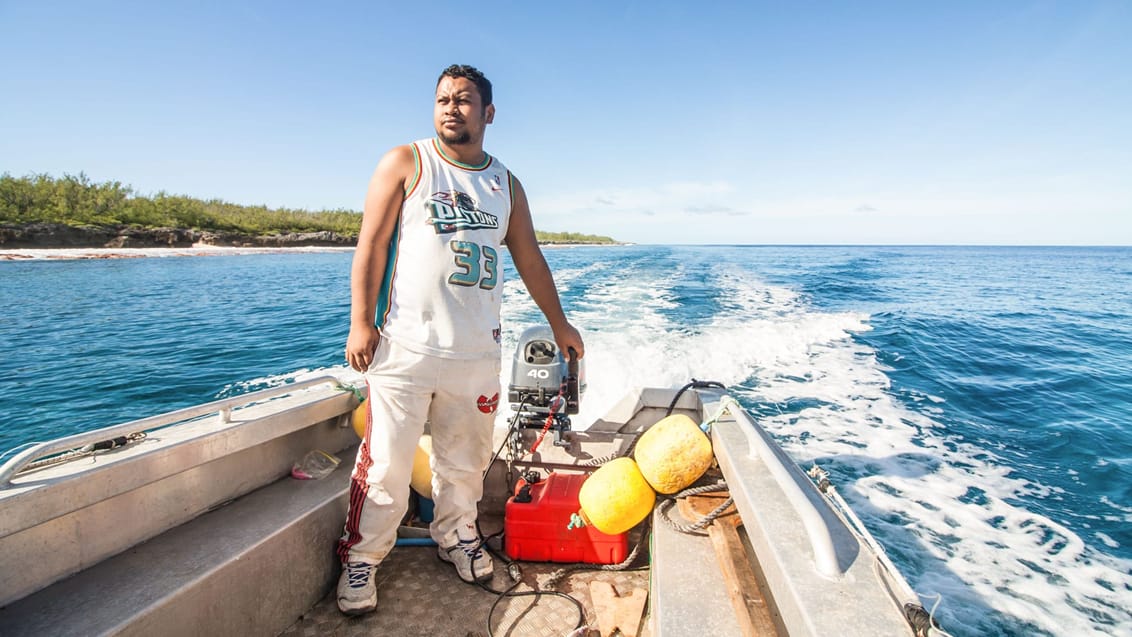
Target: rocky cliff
53	235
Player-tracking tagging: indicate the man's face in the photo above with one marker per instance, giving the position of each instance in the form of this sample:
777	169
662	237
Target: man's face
459	115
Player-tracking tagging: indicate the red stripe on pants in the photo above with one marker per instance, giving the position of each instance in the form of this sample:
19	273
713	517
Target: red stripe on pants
359	488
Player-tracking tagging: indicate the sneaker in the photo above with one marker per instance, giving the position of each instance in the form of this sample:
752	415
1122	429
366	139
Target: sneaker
472	563
357	592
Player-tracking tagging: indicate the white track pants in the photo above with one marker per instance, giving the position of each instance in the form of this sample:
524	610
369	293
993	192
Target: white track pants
459	399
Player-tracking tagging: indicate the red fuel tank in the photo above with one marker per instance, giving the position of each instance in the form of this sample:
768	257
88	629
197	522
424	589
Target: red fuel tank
536	531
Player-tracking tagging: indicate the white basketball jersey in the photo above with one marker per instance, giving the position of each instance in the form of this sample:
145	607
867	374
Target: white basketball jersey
443	283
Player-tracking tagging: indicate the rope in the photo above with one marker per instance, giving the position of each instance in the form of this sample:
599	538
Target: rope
820	477
726	403
696	384
576	520
930	623
558	575
557	404
121	441
705	427
542	434
597	462
920	620
663	508
711	487
84	451
353	389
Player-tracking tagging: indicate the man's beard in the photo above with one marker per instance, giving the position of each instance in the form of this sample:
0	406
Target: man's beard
454	140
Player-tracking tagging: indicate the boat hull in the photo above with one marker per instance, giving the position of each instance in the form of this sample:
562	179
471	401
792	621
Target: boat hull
198	531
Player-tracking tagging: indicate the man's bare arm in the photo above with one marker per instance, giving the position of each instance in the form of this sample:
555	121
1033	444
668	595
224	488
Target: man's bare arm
532	267
383	205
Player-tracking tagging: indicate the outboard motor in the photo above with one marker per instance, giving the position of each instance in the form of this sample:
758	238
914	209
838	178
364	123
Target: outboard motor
543	381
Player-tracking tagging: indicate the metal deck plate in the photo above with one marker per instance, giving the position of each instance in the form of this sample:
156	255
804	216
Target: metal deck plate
419	595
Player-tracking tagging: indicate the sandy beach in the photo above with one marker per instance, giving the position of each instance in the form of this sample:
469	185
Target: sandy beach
40	254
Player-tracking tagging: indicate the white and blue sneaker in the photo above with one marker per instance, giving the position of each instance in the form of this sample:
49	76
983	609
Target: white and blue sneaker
357	591
472	563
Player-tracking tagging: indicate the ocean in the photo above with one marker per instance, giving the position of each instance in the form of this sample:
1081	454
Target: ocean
972	404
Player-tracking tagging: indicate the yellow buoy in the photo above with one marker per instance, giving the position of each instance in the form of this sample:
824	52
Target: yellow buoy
673	454
421	479
616	497
361	412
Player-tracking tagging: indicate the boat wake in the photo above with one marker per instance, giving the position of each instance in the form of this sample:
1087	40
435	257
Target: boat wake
947	511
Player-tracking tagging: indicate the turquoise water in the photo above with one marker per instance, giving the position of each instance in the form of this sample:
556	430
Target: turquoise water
974	405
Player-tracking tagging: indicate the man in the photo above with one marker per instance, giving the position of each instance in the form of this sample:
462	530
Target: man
426	289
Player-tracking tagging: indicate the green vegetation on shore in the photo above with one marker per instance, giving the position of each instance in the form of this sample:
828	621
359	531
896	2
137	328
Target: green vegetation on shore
572	237
75	200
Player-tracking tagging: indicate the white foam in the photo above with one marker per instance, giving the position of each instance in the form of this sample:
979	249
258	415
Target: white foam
1125	510
1107	540
948	510
924	490
918	489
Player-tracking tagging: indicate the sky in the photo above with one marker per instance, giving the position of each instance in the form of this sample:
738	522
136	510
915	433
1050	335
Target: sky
957	122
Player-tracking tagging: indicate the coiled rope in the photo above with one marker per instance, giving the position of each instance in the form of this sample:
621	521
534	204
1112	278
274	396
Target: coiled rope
669	501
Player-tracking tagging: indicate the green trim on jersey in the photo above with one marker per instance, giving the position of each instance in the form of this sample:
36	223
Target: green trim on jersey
384	295
416	171
460	164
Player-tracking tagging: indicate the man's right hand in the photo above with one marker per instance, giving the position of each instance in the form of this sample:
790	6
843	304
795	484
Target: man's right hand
384	198
361	345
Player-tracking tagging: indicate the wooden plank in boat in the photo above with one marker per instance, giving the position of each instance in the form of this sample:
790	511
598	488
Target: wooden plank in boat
751	608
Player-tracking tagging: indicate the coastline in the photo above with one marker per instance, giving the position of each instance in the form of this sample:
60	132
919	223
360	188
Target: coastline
56	241
196	250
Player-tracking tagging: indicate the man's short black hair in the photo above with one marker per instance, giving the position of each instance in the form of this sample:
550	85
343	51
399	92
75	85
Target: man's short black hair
471	74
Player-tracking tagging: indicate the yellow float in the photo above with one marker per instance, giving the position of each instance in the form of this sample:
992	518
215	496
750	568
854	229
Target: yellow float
616	497
359	419
421	479
673	454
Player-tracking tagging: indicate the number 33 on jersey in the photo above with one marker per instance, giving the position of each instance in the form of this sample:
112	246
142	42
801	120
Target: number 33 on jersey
453	222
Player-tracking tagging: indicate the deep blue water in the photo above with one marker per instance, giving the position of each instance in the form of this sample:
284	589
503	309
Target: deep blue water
973	404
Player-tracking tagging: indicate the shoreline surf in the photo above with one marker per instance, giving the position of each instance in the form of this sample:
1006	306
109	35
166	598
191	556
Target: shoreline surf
200	250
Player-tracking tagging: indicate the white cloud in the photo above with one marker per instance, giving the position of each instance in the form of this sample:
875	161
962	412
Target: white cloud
723	212
670	198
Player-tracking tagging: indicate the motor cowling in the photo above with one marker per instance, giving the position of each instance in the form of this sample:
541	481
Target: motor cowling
540	372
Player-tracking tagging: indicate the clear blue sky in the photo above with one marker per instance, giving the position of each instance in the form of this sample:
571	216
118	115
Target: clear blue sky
1006	122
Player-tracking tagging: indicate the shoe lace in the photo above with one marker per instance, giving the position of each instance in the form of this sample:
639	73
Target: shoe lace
472	548
358	574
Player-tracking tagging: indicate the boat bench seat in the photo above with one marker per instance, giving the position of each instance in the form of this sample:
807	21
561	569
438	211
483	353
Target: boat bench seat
248	568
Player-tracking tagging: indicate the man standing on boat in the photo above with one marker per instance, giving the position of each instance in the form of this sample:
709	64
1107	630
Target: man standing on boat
426	290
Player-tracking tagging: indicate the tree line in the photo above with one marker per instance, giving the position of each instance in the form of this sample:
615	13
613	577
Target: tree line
571	237
75	200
